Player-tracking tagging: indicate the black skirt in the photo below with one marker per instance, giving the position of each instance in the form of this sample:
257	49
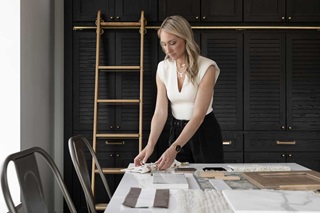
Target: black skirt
205	146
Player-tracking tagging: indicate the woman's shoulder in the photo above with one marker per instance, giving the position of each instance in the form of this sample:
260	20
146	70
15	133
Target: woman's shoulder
205	61
165	64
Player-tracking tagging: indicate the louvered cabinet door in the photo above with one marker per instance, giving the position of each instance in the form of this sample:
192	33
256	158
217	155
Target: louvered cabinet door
264	81
84	53
303	81
128	82
226	48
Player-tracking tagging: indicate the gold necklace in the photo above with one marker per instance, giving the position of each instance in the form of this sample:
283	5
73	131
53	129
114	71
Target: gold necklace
181	73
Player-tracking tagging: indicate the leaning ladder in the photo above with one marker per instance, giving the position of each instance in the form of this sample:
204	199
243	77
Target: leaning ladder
98	68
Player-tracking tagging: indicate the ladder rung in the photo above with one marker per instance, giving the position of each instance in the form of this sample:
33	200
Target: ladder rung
120	24
101	206
127	135
111	170
119	67
118	101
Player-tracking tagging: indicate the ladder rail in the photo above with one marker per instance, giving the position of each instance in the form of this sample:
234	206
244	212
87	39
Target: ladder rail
96	94
142	31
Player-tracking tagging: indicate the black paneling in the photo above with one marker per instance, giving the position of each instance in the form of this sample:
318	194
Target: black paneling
264	11
86	10
114	10
84	78
189	9
264	81
204	10
274	141
303	87
221	10
226	49
303	10
131	10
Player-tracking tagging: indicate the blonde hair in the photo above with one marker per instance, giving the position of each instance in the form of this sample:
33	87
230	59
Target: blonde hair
179	26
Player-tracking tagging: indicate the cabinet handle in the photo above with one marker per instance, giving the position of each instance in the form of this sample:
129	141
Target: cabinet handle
204	17
118	127
111	127
283	155
289	155
286	142
289	127
282	17
118	18
111	155
111	17
282	127
114	143
289	18
118	155
197	17
227	143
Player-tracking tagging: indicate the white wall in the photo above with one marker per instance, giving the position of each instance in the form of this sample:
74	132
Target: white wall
10	90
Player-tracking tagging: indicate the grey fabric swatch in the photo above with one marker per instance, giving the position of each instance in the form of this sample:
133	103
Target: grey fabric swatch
132	197
161	199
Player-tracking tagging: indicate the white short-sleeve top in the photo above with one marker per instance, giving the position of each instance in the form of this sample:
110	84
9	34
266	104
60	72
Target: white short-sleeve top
182	103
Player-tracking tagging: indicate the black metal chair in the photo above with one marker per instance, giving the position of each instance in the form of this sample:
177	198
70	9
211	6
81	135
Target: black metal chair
32	196
77	149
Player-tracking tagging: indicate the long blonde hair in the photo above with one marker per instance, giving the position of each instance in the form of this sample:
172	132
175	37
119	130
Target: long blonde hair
179	26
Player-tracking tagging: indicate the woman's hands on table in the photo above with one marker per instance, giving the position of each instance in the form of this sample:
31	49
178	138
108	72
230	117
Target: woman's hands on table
164	162
166	159
143	156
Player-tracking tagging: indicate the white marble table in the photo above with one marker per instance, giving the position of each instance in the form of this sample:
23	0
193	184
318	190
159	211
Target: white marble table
144	180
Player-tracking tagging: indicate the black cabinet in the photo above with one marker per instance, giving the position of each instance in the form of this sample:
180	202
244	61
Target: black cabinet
297	147
289	11
233	146
115	10
204	10
225	47
113	85
264	81
303	81
281	81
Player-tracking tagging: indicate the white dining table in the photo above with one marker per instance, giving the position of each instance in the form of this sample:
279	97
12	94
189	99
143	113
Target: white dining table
144	180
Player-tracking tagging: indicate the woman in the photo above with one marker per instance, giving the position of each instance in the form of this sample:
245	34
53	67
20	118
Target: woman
187	80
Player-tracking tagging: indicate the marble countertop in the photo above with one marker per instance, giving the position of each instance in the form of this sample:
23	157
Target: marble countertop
250	201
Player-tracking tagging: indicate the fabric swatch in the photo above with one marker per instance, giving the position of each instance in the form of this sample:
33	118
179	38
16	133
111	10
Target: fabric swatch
147	198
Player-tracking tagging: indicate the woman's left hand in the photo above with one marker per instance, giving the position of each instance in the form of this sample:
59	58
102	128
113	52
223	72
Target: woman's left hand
166	159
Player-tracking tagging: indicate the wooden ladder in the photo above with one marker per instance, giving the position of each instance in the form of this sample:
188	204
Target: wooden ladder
98	68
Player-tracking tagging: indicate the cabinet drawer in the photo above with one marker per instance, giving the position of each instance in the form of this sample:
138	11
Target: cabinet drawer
118	145
233	157
282	141
232	141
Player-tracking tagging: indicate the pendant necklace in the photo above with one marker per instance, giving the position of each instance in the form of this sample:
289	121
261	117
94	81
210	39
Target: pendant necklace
181	73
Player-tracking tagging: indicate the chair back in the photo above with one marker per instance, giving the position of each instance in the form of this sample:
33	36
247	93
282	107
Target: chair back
32	196
77	146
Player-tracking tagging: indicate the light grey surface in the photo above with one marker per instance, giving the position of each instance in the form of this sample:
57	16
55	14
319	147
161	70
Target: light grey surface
143	180
42	83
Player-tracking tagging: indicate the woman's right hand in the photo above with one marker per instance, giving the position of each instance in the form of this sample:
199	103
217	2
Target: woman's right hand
143	156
